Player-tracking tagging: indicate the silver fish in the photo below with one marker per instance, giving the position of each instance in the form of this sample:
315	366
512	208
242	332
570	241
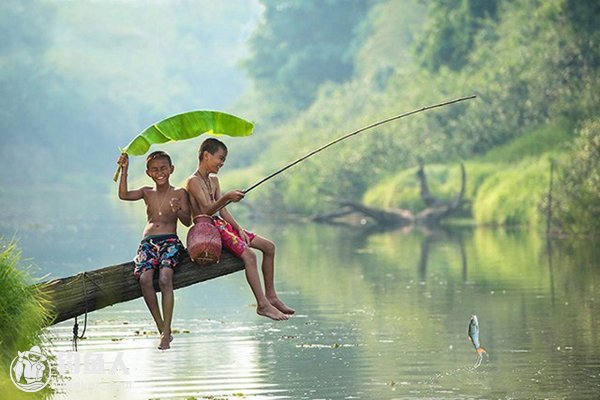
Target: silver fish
473	334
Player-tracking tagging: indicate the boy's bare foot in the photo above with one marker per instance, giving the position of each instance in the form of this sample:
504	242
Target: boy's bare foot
270	311
165	342
281	306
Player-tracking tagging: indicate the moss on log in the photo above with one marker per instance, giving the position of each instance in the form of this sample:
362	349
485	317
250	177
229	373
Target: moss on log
93	290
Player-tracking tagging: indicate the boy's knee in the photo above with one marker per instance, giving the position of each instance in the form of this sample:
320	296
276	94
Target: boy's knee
269	248
165	282
146	279
249	258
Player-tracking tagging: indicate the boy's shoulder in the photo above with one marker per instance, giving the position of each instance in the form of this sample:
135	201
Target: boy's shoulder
192	179
179	190
189	180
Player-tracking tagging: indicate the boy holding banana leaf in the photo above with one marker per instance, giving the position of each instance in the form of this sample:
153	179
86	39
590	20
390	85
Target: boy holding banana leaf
206	198
160	248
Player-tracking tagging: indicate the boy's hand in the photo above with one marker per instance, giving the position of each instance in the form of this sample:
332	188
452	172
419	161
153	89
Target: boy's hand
123	160
243	235
175	204
235	195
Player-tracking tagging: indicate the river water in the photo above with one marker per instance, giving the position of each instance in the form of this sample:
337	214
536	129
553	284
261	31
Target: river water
379	316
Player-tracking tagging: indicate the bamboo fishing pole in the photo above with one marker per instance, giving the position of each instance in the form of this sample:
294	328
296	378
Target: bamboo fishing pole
356	132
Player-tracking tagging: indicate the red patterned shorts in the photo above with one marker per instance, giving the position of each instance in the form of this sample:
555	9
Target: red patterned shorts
231	238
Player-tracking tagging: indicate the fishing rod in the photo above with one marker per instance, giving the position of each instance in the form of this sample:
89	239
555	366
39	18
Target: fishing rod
356	132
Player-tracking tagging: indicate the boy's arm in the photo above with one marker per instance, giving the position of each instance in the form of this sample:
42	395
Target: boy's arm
226	215
124	193
184	213
201	198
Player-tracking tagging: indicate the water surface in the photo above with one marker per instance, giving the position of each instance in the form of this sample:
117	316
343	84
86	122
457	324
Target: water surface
380	316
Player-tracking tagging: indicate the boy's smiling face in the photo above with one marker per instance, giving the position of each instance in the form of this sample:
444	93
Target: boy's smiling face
160	169
216	161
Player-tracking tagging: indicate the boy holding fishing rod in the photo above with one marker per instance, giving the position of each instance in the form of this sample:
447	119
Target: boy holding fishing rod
160	248
206	198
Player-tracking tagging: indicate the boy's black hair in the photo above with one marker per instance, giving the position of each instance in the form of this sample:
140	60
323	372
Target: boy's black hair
157	154
211	145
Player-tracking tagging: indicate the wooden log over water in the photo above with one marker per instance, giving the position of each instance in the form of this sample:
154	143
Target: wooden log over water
93	290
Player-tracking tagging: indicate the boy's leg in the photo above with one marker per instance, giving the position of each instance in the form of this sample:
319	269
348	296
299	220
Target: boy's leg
147	287
264	307
268	269
165	282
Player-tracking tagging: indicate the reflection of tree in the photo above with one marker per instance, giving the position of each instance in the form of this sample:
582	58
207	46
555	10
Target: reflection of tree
550	269
443	236
422	266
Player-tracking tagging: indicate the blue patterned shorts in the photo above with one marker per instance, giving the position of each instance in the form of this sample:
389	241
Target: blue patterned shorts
156	252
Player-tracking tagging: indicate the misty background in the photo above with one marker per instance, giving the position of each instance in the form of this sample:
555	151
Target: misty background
80	79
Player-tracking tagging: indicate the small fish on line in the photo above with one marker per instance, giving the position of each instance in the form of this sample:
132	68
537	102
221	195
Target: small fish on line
473	335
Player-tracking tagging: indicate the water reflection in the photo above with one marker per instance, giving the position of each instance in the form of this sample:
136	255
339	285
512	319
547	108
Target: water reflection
381	316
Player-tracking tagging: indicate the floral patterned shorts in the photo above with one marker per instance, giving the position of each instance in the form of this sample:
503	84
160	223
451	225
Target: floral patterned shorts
156	252
231	238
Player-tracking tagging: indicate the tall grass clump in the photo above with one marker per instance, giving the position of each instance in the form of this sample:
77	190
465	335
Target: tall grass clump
513	195
23	315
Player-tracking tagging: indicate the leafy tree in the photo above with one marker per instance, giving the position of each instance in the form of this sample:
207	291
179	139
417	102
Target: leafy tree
301	44
578	189
450	32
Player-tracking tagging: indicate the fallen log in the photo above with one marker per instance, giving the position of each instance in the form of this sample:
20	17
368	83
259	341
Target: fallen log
92	290
436	210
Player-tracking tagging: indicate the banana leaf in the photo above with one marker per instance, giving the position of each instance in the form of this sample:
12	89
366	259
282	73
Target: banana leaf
186	126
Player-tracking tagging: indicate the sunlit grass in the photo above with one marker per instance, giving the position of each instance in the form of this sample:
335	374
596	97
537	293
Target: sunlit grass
512	196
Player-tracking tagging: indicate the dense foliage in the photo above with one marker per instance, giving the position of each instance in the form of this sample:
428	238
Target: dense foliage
299	45
577	193
452	26
533	65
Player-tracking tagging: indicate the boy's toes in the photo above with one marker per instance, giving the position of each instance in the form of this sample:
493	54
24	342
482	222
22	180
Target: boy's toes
165	342
281	306
271	312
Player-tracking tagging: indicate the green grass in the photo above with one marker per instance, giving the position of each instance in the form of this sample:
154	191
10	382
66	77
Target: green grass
512	195
547	138
23	315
